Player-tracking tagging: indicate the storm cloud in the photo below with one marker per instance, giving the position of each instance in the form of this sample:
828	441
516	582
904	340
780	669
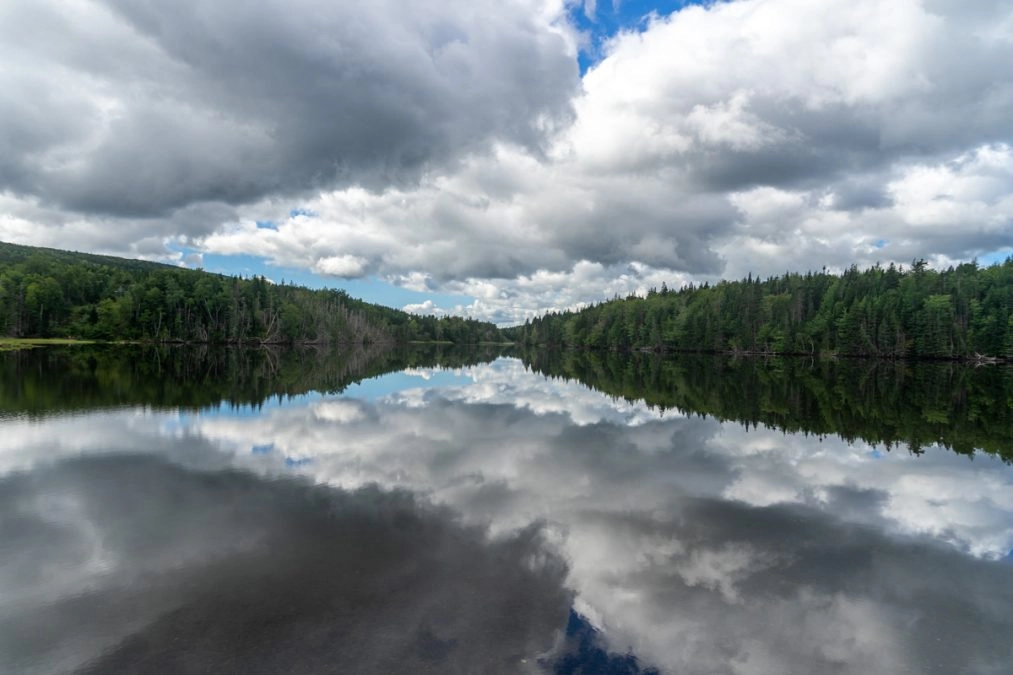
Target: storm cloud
130	108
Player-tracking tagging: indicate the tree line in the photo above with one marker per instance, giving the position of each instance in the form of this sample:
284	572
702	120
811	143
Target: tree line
889	311
51	293
960	312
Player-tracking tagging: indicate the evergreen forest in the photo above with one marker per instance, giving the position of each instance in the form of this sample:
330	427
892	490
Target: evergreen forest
963	312
48	293
888	312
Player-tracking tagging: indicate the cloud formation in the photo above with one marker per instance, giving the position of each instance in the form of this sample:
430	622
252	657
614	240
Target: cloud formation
136	109
459	144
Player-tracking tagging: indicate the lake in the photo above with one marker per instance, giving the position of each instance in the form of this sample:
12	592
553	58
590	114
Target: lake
199	510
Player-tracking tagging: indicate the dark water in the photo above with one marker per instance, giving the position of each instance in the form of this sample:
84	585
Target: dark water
199	511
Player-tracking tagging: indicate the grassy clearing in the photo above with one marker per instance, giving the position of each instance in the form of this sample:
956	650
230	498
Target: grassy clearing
10	344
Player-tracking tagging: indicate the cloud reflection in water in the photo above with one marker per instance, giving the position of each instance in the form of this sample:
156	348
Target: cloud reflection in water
700	546
160	568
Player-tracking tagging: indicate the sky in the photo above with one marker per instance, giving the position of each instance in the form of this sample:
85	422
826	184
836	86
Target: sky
503	159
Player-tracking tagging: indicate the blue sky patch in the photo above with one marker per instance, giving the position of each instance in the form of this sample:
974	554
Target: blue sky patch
369	289
378	387
995	257
612	16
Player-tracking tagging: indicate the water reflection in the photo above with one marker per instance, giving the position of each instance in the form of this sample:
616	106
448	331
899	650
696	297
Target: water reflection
915	404
151	567
41	382
684	543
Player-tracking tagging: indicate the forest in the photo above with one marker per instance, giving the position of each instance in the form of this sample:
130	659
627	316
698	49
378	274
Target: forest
49	293
887	312
963	312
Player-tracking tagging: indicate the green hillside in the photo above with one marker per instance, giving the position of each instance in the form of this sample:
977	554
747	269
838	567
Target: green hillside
49	293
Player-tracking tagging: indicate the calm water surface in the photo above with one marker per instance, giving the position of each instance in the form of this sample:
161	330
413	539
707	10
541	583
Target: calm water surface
256	512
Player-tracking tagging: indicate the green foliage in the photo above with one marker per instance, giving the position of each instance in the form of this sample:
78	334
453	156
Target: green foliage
49	293
961	312
965	409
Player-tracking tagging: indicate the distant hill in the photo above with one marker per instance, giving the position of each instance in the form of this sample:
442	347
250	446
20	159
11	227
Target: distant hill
962	312
51	293
14	254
